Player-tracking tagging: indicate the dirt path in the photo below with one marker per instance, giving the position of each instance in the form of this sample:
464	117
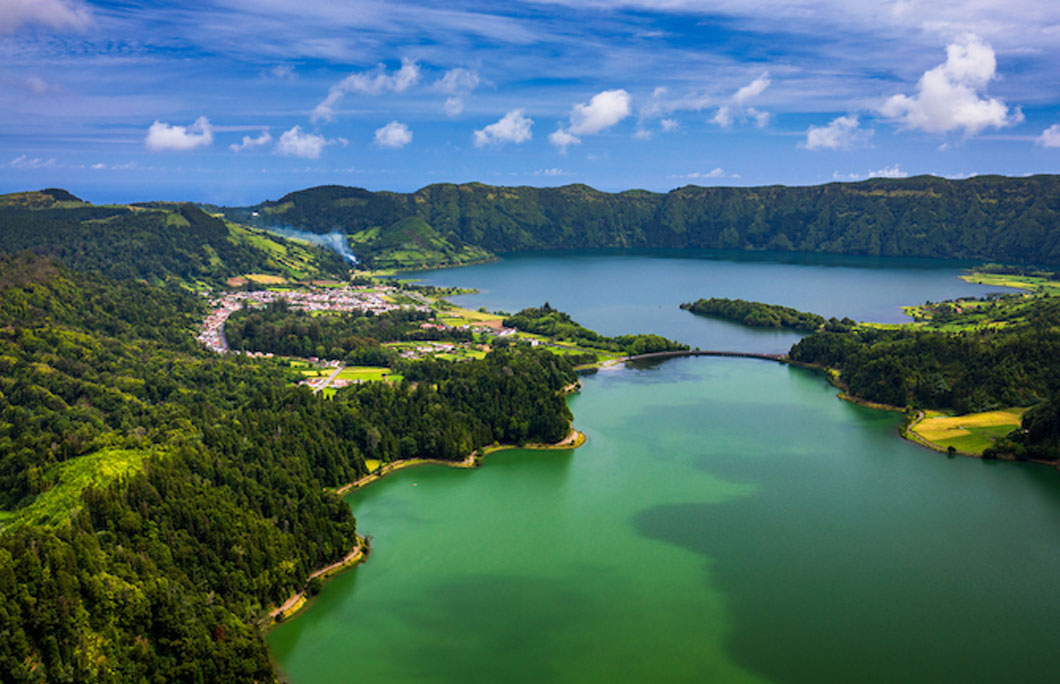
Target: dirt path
295	600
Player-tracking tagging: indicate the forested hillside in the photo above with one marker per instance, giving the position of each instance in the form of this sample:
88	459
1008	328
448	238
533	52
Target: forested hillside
1013	364
157	498
155	242
984	217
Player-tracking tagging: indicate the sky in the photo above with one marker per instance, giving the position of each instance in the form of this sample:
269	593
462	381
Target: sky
238	101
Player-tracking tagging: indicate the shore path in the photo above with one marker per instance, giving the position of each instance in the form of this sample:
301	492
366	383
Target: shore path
294	599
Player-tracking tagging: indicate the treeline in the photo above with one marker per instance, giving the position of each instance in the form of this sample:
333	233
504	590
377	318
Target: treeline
971	370
545	320
755	314
984	217
153	242
163	574
355	337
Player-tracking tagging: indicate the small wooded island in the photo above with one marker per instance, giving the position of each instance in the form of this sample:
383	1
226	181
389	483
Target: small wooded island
755	314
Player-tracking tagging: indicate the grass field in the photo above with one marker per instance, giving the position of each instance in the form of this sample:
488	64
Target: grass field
972	432
1023	282
265	279
72	477
364	373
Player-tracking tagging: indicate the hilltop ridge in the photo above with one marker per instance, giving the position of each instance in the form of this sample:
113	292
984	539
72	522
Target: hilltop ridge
984	218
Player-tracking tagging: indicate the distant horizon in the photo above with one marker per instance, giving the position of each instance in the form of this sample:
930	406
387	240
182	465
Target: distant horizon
114	200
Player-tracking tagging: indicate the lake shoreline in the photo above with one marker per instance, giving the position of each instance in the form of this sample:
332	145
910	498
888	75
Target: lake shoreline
573	440
298	600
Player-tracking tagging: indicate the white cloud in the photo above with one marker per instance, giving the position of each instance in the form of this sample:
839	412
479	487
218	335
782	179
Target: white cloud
892	171
717	172
643	134
98	166
162	136
1050	137
394	135
562	139
604	110
453	105
949	97
752	89
669	125
736	108
284	71
38	86
551	172
264	139
513	127
457	83
843	133
58	14
298	143
25	162
459	80
373	82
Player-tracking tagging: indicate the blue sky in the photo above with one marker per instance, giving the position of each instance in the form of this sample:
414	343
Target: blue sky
236	101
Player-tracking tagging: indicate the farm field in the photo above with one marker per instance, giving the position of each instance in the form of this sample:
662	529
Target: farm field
972	432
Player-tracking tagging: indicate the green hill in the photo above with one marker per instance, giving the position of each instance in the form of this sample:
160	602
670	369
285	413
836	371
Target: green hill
984	218
156	242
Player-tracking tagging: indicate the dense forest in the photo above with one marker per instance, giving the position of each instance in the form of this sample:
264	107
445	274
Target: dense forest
755	314
155	242
545	320
984	217
354	337
969	370
161	571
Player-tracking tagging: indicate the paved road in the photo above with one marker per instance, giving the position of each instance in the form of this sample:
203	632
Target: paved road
330	379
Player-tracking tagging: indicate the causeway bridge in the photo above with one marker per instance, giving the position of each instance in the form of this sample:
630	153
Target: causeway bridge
779	358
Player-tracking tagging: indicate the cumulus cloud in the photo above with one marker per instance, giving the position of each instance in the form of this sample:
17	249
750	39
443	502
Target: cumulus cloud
604	110
164	137
950	96
562	139
736	108
551	172
892	171
264	139
1050	137
843	133
57	14
394	135
513	127
457	83
298	143
374	82
669	125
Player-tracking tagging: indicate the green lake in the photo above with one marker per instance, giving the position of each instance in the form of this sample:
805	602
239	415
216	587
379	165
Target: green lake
727	520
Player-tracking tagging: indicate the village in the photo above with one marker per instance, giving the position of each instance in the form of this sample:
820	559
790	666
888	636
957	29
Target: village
331	374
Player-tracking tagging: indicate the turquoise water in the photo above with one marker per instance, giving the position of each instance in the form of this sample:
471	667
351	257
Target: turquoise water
727	520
